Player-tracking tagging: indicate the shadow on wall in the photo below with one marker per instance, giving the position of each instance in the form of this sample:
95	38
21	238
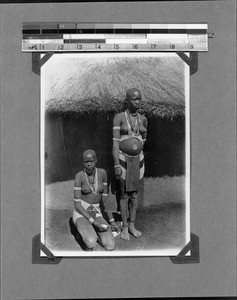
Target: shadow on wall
68	136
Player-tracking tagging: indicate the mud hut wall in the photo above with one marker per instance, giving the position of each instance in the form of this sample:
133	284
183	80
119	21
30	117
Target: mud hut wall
56	166
73	133
165	147
82	132
67	137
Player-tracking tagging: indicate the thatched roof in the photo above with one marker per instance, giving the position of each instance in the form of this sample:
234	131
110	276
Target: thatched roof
99	84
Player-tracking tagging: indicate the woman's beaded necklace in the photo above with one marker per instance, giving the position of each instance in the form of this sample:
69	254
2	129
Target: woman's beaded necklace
93	186
132	131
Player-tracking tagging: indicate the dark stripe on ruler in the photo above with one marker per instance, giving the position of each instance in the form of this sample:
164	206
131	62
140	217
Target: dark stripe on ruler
177	30
159	30
67	30
141	30
104	30
123	30
174	30
49	31
31	31
196	31
84	31
84	41
42	36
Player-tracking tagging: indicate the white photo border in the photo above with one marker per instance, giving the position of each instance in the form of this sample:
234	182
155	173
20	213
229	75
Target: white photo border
146	253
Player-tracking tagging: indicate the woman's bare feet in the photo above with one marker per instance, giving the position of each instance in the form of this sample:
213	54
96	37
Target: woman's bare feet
133	230
124	233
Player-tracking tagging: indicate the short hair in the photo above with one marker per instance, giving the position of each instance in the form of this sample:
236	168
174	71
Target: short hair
130	91
89	152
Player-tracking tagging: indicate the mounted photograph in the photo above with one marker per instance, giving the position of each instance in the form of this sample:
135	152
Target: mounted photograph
115	154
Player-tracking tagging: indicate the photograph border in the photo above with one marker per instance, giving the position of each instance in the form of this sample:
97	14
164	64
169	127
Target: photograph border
114	253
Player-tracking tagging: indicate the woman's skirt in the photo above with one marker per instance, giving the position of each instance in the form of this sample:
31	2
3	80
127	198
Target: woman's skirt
92	209
132	170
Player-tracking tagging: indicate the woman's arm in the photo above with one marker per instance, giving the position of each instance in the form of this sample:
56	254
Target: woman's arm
105	194
145	124
114	226
116	139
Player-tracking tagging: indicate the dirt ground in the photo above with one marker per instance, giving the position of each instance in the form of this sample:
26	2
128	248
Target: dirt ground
162	227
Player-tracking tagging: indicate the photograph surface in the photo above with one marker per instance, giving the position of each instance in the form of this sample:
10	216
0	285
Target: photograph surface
115	154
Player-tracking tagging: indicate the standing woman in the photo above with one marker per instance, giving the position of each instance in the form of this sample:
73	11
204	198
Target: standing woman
90	186
129	136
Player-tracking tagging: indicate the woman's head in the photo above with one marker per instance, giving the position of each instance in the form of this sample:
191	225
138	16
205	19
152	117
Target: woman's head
133	98
90	160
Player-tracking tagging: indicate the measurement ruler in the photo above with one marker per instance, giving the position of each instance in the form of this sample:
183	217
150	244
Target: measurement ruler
81	37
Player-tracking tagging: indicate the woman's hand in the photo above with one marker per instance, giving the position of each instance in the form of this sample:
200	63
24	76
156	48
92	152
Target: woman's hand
101	227
115	227
117	172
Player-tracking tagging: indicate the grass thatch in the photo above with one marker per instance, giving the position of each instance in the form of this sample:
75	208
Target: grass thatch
99	84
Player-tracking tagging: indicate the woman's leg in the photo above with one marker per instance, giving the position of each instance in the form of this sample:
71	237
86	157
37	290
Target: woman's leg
87	232
124	211
124	215
106	237
133	212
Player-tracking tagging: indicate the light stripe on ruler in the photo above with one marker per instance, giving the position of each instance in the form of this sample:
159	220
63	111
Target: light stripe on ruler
103	26
104	36
167	36
178	26
83	36
85	25
45	41
121	26
140	26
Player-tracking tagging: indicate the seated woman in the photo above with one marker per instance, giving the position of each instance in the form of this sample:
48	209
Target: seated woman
90	187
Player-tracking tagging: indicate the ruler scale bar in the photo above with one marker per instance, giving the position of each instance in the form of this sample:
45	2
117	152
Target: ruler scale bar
86	37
